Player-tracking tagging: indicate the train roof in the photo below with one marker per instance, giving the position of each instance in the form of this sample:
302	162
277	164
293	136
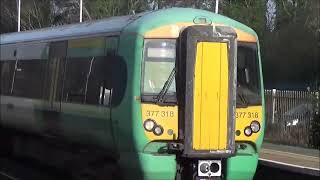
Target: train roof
102	26
148	20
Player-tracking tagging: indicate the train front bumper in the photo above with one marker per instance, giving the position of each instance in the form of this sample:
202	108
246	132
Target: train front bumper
243	165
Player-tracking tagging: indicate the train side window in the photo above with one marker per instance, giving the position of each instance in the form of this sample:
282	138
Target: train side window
98	88
89	80
77	72
107	81
29	78
6	74
8	61
83	76
92	72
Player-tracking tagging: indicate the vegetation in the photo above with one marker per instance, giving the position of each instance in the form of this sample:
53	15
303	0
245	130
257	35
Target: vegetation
35	14
292	48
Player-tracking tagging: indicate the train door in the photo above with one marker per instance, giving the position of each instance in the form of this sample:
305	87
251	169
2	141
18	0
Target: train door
52	91
86	93
54	75
206	90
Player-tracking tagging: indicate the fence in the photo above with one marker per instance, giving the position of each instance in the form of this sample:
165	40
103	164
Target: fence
292	117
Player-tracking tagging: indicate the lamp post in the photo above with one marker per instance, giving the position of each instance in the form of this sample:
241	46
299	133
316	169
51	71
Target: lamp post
80	10
217	6
19	8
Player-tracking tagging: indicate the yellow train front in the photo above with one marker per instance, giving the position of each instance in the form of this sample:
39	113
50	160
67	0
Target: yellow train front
201	97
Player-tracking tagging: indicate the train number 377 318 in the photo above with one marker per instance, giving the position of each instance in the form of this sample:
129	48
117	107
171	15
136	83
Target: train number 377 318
247	115
160	113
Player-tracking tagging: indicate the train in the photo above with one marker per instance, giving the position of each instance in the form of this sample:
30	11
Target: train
168	94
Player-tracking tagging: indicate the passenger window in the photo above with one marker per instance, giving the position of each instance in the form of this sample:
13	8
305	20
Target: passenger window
78	72
23	73
6	74
95	81
29	78
98	88
8	61
91	72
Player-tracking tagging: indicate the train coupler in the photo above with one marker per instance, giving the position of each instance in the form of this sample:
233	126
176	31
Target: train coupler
175	147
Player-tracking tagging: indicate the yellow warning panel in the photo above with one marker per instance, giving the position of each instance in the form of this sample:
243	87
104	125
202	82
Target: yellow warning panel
244	117
165	116
210	120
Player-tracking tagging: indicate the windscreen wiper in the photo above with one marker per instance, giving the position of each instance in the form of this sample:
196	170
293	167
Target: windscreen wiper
243	99
166	86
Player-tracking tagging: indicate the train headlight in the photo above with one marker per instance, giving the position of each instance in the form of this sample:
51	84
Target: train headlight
158	130
255	126
149	125
247	131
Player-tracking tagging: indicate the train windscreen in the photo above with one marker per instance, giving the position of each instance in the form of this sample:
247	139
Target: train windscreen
248	75
159	62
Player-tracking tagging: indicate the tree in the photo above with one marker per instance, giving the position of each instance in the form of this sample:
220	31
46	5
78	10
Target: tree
34	15
301	12
291	49
45	13
7	16
97	9
249	12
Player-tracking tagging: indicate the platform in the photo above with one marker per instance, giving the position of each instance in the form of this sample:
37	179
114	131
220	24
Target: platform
291	158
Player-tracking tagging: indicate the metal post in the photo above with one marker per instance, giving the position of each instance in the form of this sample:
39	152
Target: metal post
19	8
273	104
217	6
80	10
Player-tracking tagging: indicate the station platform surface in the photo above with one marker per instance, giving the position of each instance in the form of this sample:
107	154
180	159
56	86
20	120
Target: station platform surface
291	158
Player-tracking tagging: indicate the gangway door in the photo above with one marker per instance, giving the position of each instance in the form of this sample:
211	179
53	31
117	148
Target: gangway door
206	90
210	96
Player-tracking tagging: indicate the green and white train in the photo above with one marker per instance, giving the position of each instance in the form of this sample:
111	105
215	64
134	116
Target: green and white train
169	94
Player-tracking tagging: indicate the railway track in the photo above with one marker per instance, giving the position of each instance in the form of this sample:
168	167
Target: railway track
22	169
6	176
